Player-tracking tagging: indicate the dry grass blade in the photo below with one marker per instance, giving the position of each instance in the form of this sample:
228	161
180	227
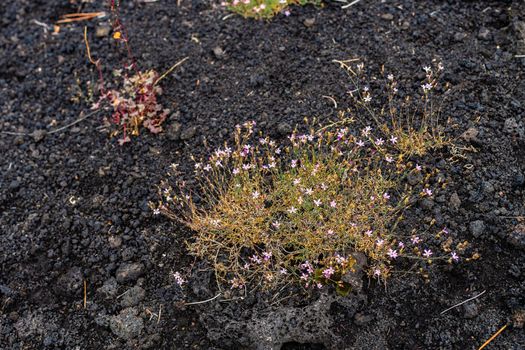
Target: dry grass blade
77	17
493	337
463	302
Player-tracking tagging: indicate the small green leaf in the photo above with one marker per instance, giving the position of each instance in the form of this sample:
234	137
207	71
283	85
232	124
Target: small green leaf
343	289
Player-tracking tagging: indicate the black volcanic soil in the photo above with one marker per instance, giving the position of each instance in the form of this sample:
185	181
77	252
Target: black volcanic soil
73	204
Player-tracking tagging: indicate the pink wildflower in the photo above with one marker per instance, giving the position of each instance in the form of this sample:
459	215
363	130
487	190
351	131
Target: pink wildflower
327	273
267	256
392	253
427	191
427	253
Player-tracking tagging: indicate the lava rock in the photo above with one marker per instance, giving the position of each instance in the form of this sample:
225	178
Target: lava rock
477	228
484	34
14	185
257	80
218	52
188	133
414	178
455	202
471	135
284	129
70	282
174	131
129	272
362	319
102	30
459	36
38	135
487	187
518	181
309	22
109	288
517	237
5	290
426	203
133	296
518	318
470	310
126	324
511	126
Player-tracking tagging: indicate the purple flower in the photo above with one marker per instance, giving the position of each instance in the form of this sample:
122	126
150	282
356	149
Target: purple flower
327	273
392	253
255	259
267	256
427	191
415	240
178	278
454	256
427	253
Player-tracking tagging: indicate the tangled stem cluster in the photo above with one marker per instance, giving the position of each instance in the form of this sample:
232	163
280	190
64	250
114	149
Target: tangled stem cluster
267	213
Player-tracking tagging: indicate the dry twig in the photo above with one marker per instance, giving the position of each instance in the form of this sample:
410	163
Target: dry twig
463	302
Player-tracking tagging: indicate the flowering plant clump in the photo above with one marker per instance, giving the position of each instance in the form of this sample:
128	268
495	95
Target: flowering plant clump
413	124
135	105
267	213
264	8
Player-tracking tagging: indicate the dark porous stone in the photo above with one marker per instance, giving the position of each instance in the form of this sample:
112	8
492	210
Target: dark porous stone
517	237
173	131
284	129
309	22
477	228
471	310
70	282
126	325
188	133
129	272
133	296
